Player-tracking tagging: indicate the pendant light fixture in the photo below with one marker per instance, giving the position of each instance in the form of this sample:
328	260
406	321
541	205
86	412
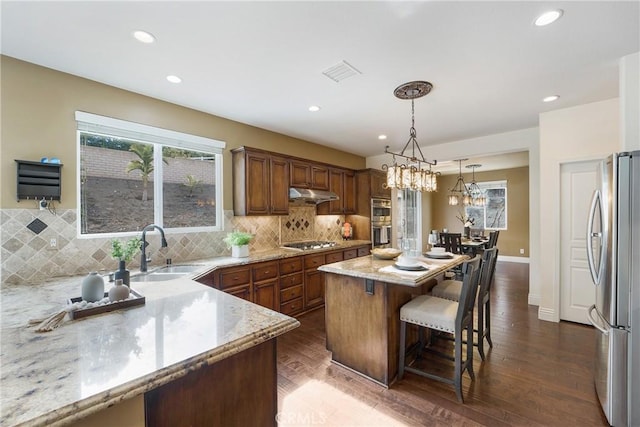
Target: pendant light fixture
478	197
415	174
459	193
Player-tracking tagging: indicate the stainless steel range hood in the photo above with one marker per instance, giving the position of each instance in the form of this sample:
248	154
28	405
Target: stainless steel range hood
307	196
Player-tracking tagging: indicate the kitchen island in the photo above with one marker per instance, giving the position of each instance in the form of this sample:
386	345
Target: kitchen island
197	355
363	297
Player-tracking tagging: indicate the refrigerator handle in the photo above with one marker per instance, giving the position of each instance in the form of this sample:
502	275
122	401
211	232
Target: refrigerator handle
595	272
594	322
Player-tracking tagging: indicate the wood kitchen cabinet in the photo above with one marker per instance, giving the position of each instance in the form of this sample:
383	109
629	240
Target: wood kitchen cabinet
264	278
290	285
343	183
260	183
309	175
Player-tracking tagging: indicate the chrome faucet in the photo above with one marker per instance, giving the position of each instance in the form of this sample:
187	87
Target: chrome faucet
144	260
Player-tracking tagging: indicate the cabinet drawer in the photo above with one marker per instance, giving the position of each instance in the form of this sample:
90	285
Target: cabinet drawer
291	307
350	254
290	293
313	261
291	280
334	257
364	251
233	277
265	271
291	265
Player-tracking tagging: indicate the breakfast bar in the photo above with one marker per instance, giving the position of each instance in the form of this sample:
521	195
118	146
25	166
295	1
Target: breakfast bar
363	297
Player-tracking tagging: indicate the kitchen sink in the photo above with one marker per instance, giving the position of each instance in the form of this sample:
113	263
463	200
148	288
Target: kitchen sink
184	268
156	277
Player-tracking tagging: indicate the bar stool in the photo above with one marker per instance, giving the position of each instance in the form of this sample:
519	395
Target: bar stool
452	289
446	316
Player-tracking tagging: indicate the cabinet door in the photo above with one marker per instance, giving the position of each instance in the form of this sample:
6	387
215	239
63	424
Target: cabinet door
335	185
243	292
348	192
265	294
258	184
313	288
279	186
378	180
319	178
300	174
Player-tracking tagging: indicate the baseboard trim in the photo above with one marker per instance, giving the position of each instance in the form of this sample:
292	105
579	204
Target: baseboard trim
520	259
547	314
533	299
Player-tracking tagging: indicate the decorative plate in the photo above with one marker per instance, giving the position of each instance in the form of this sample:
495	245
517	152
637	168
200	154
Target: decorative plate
435	255
417	267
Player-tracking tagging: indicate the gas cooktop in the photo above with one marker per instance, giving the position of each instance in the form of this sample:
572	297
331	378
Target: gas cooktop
312	244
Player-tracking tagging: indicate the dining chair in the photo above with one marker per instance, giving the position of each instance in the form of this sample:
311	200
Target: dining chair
452	289
452	242
452	317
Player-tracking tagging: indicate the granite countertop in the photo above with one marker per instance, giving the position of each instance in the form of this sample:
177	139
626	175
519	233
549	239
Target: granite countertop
369	267
89	364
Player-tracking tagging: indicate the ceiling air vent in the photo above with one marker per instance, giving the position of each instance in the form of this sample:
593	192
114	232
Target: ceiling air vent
342	70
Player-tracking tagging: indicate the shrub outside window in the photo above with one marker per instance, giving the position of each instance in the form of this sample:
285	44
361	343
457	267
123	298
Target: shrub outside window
132	175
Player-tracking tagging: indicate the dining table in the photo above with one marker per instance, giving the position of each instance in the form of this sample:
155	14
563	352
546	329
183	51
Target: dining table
472	245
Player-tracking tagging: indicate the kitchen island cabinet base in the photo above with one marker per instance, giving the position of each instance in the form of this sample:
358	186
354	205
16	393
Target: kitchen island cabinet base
363	329
240	390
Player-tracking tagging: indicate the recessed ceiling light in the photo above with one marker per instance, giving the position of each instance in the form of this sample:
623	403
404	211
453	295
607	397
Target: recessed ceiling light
382	137
174	79
143	36
314	108
548	17
550	98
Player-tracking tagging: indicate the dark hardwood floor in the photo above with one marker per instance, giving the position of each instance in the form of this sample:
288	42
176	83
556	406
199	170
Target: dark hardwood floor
537	374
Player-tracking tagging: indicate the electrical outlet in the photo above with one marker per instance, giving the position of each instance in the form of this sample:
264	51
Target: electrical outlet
521	251
53	243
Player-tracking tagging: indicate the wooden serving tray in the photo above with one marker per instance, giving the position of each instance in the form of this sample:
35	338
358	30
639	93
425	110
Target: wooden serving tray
85	312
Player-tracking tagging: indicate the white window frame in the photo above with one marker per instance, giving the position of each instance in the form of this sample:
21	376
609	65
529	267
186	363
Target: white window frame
158	137
493	185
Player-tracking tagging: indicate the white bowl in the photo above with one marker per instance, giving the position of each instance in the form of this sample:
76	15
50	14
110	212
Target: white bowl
437	250
406	261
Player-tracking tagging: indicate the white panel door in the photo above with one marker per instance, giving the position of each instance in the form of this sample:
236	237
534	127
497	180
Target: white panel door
577	291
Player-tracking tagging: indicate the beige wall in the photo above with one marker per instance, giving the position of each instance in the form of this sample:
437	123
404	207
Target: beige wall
38	106
585	132
517	234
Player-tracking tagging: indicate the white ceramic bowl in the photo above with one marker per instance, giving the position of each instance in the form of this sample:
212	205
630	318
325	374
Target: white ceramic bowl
406	261
437	250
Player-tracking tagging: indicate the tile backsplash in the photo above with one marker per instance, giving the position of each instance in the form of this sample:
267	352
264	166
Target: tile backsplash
27	257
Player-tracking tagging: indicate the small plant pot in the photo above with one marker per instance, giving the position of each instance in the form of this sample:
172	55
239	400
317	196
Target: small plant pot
240	251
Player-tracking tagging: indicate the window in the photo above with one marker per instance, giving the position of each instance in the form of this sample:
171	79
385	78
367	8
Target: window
132	175
493	215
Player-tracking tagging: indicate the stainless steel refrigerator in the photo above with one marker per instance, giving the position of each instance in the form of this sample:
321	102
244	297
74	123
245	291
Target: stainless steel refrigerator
613	252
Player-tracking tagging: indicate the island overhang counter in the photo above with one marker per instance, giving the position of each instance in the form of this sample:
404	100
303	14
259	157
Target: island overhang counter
189	349
363	297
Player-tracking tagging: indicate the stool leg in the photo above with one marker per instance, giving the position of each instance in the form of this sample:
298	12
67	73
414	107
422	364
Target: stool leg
481	329
469	360
403	333
457	381
487	312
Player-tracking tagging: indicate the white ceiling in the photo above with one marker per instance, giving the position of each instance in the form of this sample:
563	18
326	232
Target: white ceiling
261	63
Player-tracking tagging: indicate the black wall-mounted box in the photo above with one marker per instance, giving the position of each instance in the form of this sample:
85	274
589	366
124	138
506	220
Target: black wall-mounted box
39	180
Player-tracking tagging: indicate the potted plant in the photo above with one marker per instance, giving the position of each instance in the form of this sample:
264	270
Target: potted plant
239	243
467	223
124	252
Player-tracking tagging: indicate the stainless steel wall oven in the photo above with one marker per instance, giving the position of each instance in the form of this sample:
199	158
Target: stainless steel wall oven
381	223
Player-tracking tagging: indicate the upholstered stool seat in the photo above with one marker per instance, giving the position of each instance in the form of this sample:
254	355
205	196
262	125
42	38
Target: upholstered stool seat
452	289
444	315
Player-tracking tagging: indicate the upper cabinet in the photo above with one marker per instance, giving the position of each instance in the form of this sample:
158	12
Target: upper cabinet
260	183
343	183
370	185
309	175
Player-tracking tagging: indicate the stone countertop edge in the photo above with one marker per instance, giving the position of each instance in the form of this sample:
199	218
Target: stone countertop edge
98	402
368	268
